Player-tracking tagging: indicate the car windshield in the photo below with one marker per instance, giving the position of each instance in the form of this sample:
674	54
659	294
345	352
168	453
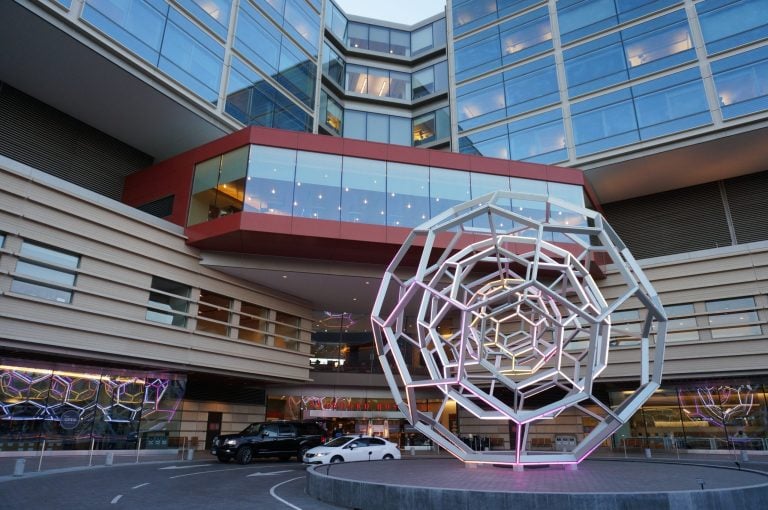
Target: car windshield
252	429
339	441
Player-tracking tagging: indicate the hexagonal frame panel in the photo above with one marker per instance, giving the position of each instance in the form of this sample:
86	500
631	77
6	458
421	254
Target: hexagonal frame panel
499	309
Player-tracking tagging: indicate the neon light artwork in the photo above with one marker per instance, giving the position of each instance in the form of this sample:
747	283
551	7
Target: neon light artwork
494	302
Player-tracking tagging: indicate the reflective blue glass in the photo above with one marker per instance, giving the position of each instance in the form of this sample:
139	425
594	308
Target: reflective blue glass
531	86
671	104
531	209
742	82
136	24
580	18
538	139
357	35
354	124
333	66
65	3
492	148
191	56
438	33
270	182
572	194
297	73
274	8
254	101
658	44
447	188
257	39
595	65
727	23
331	113
583	17
407	194
212	13
364	193
357	79
471	14
633	9
483	184
478	53
480	102
604	122
377	128
399	42
318	186
431	127
303	24
634	52
491	142
422	40
525	35
335	21
400	130
487	183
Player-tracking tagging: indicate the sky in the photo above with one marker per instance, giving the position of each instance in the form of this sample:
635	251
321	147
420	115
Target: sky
406	12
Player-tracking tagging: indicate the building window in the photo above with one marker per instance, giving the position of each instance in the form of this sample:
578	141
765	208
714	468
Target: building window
253	323
741	84
333	66
331	113
213	313
218	188
728	24
681	326
2	239
271	179
733	317
431	127
45	272
287	331
168	302
318	186
378	82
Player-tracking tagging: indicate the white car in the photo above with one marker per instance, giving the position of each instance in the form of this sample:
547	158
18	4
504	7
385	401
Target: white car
352	448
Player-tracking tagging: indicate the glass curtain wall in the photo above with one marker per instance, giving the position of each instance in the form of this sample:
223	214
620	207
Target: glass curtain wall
630	73
84	407
703	415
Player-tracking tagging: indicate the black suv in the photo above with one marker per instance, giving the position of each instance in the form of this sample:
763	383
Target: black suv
282	439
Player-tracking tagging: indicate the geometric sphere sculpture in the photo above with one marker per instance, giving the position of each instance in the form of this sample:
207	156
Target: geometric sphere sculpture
492	304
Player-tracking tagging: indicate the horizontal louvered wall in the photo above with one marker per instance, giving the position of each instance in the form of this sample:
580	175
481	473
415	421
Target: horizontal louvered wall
748	203
44	138
676	221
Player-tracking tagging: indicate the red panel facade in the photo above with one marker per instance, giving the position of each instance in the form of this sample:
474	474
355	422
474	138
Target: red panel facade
305	237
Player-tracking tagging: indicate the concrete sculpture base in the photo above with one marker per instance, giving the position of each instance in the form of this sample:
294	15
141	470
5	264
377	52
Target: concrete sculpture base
446	484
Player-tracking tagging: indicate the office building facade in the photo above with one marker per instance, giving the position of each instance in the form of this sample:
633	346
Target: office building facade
199	197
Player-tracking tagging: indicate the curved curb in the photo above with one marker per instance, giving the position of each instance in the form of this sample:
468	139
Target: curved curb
372	495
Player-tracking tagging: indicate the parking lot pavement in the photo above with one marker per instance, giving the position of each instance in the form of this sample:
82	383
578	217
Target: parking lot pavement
34	464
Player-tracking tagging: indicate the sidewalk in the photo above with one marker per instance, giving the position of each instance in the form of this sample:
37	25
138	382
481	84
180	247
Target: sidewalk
31	463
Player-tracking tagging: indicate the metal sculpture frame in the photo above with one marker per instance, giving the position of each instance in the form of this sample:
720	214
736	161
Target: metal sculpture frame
496	301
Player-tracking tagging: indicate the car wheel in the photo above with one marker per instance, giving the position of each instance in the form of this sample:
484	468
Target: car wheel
223	458
337	458
244	455
388	457
301	452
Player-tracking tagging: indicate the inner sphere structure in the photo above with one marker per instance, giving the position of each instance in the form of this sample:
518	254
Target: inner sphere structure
493	304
